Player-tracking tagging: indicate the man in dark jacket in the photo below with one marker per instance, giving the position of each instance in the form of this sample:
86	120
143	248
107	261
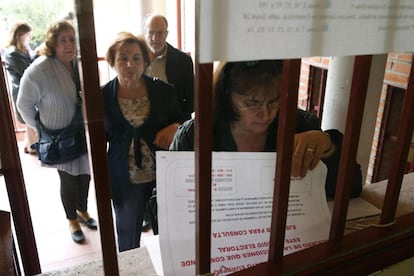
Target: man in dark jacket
170	64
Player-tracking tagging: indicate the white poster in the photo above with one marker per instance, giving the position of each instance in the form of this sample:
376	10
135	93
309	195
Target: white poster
268	29
242	196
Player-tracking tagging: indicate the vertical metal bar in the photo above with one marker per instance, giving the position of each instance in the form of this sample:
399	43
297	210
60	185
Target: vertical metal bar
286	130
404	134
203	148
203	137
8	262
179	23
350	145
16	190
94	114
18	129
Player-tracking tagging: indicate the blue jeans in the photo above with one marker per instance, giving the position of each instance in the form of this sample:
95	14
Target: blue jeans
130	214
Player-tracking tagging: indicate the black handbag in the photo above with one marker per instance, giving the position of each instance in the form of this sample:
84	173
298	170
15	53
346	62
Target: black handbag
63	145
153	211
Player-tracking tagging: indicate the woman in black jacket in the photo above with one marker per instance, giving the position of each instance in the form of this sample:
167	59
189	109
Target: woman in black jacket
141	116
246	119
18	57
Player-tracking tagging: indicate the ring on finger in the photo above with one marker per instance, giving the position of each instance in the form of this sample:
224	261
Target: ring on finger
310	149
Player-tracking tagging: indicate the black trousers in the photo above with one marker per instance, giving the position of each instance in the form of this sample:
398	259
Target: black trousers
74	193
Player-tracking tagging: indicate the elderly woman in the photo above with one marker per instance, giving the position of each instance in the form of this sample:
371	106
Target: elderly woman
246	119
141	116
51	86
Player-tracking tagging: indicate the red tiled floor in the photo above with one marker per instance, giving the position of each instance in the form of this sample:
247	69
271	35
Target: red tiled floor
54	243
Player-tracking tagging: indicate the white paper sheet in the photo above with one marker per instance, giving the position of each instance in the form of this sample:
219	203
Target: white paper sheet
242	194
247	29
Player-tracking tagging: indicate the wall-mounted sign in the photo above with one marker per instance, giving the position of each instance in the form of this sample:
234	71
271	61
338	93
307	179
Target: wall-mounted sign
246	29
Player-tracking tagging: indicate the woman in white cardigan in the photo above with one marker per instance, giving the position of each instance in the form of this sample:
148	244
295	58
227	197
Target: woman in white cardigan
51	85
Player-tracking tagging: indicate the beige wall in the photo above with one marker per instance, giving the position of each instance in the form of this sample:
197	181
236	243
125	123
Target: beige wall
126	15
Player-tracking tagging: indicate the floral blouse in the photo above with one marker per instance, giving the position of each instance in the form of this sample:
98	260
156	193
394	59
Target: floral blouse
135	112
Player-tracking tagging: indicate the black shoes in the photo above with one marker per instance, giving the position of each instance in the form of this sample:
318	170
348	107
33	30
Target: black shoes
75	229
84	218
78	236
90	223
76	232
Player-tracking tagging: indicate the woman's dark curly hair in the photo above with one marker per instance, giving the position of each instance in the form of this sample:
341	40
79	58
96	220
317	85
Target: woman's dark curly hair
245	78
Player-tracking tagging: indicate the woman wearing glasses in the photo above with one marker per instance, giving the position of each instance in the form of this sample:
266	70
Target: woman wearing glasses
246	119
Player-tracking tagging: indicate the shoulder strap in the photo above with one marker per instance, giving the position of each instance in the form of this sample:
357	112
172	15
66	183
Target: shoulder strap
77	121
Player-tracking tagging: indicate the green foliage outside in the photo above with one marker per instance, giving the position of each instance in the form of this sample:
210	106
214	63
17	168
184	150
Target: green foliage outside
38	13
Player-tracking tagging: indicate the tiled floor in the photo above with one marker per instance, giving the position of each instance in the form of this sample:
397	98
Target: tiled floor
55	246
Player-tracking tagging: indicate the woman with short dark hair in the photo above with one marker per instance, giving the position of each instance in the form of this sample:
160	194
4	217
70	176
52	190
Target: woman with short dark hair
141	116
247	100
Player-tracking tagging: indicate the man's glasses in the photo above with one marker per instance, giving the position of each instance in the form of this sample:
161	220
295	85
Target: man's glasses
156	33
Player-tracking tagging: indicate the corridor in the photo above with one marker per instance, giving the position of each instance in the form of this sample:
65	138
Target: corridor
54	243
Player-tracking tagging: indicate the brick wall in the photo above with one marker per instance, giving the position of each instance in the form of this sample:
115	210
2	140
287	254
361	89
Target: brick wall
397	73
321	62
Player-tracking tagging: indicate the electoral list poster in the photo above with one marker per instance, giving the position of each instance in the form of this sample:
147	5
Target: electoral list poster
242	196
